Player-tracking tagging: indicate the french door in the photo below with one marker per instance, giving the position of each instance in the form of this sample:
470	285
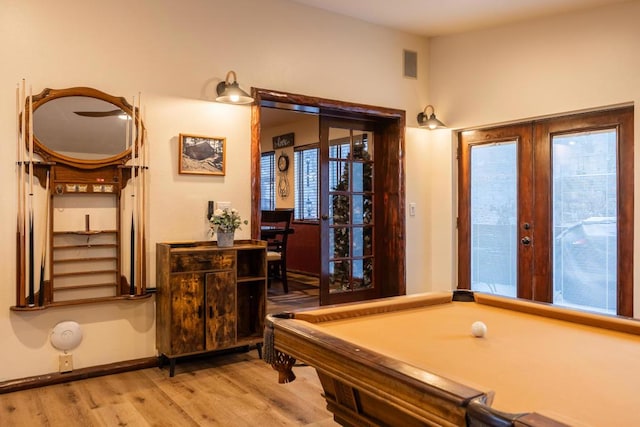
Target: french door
347	210
546	211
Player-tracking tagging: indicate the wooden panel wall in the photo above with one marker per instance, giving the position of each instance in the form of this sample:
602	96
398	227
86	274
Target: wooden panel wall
303	249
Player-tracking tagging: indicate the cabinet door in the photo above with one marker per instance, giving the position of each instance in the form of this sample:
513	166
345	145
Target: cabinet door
221	309
187	313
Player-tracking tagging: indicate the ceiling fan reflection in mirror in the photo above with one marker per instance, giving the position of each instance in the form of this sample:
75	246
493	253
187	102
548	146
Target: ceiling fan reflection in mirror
119	113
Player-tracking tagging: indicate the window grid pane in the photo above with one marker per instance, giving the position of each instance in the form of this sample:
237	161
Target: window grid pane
267	181
493	218
306	183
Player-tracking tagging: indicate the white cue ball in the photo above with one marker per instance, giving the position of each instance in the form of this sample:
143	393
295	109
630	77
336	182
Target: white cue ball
478	329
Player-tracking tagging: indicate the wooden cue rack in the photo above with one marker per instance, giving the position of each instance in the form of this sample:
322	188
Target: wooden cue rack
65	254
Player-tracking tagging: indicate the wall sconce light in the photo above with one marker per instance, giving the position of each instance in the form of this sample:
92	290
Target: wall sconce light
429	121
229	92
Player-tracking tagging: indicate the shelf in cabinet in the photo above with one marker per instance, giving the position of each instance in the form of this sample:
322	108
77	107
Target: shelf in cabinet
84	246
84	273
84	232
91	286
84	259
242	279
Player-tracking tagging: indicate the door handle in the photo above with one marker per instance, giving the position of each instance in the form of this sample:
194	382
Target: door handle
526	241
325	217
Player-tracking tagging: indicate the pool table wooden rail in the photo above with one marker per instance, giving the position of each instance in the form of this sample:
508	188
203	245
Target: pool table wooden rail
366	388
363	387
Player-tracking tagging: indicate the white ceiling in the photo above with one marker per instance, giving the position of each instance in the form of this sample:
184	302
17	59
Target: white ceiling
440	17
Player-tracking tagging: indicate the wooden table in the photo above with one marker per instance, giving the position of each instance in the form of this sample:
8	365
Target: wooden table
412	360
269	232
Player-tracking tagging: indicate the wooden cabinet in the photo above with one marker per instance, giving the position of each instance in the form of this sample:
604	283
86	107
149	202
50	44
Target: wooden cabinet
209	298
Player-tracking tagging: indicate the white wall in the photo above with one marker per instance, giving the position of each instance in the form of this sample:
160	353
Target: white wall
550	66
175	53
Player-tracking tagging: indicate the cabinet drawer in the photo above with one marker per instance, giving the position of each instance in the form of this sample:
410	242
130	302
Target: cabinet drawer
199	261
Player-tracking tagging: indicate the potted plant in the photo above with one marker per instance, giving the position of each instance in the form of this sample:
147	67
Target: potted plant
224	222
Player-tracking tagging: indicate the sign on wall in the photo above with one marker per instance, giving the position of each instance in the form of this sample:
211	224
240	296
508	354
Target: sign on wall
282	141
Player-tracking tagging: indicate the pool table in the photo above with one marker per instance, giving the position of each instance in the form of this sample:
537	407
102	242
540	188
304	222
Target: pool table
412	360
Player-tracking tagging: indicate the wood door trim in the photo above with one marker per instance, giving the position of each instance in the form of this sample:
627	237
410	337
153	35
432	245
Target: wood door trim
540	198
520	133
622	120
393	280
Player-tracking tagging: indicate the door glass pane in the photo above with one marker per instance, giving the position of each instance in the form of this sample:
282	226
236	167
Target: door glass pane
367	241
363	176
339	209
361	147
340	145
339	242
362	209
361	276
358	241
493	218
358	209
338	176
584	220
339	275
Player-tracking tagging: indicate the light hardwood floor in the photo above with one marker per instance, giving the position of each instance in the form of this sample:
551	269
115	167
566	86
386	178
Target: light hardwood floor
234	389
227	390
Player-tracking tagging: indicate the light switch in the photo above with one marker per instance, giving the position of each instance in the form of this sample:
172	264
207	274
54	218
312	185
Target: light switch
224	205
412	209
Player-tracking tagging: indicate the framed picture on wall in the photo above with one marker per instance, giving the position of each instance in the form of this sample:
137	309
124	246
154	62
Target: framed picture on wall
202	155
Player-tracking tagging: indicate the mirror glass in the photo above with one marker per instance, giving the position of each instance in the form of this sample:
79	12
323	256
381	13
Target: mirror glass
81	127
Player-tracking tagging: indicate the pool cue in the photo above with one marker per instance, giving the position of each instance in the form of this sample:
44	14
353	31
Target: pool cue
20	265
132	243
145	157
30	300
139	191
44	245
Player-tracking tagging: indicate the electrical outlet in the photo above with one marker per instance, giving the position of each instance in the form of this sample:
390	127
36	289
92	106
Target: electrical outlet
65	362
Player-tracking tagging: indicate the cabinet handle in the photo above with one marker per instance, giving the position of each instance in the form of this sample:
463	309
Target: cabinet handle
211	312
199	312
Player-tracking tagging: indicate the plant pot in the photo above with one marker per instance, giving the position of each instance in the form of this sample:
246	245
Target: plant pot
225	239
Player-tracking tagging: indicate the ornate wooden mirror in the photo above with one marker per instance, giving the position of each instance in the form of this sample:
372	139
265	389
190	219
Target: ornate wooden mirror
79	240
82	126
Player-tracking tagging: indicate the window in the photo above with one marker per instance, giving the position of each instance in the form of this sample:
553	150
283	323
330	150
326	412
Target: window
546	211
305	166
267	181
584	219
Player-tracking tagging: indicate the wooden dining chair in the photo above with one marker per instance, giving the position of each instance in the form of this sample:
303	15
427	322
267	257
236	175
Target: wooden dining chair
275	229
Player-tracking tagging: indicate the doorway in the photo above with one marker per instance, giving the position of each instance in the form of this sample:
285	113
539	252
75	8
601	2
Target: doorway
371	259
